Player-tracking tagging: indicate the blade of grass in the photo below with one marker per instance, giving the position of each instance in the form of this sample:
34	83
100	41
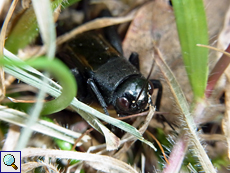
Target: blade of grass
44	17
192	30
2	44
108	164
188	133
20	118
68	93
63	75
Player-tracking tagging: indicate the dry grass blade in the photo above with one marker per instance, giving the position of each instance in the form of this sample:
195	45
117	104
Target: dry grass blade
47	128
44	17
4	27
21	101
226	119
129	140
26	167
2	43
12	138
221	67
188	134
213	137
158	143
108	164
94	24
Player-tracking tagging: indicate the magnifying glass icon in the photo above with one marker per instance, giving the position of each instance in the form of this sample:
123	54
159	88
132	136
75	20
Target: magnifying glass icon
9	160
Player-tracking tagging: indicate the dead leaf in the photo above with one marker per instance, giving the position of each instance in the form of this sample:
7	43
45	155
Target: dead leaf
155	22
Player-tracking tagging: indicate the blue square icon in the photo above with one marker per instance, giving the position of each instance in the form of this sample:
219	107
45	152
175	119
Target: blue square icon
10	161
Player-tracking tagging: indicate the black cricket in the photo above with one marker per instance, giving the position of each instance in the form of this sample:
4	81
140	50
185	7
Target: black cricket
99	67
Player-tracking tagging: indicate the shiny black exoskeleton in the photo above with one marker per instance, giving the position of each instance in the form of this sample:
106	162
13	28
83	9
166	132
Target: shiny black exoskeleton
100	67
113	79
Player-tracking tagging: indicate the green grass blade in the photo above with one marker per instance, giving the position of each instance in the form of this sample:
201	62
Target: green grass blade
192	30
69	87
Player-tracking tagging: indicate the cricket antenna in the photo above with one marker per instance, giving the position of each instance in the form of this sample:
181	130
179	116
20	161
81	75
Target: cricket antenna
150	72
